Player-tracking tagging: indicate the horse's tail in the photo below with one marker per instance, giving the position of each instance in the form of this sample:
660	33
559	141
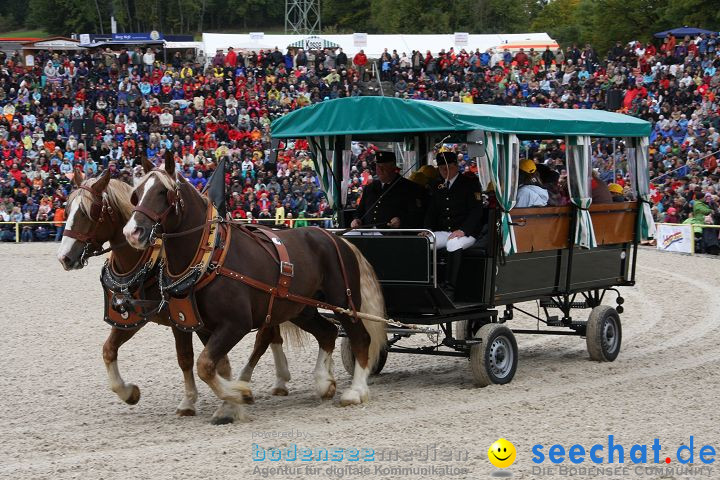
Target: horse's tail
293	335
372	302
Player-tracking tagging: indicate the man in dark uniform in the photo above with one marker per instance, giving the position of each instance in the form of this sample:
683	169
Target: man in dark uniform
455	214
391	200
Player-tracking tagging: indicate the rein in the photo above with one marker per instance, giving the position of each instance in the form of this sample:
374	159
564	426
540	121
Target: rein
165	236
177	291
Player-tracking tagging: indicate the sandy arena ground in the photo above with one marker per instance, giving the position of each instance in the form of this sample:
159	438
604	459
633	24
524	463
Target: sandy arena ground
60	420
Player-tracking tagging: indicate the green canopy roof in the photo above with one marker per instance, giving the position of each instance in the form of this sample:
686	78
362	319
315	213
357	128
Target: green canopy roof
383	115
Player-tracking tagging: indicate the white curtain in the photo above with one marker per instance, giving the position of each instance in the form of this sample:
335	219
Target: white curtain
502	152
638	166
346	160
579	167
484	171
406	156
323	152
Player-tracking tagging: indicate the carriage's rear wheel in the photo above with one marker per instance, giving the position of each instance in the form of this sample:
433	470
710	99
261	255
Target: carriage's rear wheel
603	334
494	359
348	358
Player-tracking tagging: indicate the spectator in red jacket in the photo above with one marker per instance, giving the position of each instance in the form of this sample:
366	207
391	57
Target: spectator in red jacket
360	61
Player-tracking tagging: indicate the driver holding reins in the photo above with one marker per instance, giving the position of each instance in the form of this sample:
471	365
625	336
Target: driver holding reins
391	201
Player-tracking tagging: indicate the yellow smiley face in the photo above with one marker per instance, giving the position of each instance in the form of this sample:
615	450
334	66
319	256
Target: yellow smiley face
502	453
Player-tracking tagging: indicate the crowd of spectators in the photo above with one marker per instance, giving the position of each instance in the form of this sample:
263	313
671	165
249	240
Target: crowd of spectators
96	110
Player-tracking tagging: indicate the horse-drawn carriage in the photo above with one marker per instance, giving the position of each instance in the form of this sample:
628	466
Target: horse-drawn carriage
175	261
564	258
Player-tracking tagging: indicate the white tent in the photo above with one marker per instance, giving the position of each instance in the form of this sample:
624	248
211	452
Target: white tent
375	44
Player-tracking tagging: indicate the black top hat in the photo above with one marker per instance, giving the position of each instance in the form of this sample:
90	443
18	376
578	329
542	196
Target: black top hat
385	157
446	157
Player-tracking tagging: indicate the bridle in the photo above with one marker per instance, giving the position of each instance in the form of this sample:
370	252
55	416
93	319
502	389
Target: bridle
174	200
99	209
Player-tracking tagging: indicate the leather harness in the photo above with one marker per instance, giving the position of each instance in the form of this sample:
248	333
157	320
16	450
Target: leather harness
286	273
208	263
98	210
125	305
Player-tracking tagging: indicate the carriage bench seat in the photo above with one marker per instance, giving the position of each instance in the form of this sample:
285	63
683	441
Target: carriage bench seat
548	228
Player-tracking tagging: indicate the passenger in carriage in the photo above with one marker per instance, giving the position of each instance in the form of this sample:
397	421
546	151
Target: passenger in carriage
455	214
530	192
600	192
424	176
391	201
617	192
557	191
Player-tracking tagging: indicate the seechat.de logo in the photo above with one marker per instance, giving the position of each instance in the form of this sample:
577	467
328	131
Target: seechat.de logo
613	452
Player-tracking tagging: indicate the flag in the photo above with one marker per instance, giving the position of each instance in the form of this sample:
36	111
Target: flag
215	188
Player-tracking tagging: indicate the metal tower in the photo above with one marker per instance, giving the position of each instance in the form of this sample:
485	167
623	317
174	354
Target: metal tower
302	17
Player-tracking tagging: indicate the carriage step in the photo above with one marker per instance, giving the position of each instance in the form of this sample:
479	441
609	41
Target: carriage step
554	321
553	304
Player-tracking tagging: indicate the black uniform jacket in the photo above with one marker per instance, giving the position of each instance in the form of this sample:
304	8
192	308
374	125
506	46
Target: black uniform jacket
457	208
403	200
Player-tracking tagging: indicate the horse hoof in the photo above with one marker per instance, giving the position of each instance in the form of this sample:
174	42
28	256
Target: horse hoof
354	397
329	393
351	397
134	396
222	420
185	412
279	392
239	392
248	398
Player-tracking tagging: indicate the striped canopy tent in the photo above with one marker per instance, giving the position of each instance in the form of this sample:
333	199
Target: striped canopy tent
313	43
492	133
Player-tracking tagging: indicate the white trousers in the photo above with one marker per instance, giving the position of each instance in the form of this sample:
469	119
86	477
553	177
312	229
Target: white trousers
455	244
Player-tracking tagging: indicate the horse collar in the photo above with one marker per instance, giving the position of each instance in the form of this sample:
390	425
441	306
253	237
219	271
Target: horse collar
203	253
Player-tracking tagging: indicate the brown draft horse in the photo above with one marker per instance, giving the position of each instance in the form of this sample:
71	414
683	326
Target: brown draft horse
230	309
89	226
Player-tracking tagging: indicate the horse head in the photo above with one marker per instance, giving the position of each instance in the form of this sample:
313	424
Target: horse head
97	210
158	199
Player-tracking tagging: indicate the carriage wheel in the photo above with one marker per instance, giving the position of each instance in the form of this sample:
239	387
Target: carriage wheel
603	334
494	359
348	359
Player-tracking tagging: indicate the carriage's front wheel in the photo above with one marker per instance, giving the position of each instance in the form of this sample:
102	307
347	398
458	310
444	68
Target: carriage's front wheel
348	358
494	359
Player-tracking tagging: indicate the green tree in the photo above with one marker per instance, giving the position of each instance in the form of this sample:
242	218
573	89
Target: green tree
693	13
624	20
346	15
559	20
13	14
7	23
62	17
409	16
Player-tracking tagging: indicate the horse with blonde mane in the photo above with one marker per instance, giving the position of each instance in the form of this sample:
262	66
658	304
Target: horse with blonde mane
238	295
98	210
